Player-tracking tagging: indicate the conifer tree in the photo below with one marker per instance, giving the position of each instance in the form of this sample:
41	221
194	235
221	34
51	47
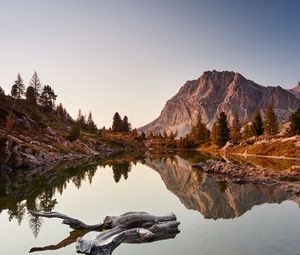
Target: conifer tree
270	122
81	119
125	124
295	123
213	133
47	98
165	135
173	135
235	131
31	96
150	136
134	132
91	126
75	132
223	130
60	111
247	131
257	123
36	84
199	132
2	93
117	122
18	89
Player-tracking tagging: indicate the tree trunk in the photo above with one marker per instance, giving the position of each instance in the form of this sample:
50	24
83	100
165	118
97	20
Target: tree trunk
130	227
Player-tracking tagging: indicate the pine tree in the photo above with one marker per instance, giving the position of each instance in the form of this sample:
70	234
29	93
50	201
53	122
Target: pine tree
60	111
75	132
125	124
257	123
2	93
235	131
18	89
270	122
47	98
150	136
91	126
247	131
295	123
31	96
36	84
213	133
117	122
165	135
223	130
173	136
134	132
81	120
199	132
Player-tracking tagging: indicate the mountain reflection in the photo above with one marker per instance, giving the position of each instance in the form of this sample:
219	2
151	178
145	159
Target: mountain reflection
214	197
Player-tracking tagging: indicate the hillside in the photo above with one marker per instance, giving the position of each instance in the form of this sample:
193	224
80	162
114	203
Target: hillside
215	92
38	137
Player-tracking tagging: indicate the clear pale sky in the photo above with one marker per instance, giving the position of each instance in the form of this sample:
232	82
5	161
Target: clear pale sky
131	56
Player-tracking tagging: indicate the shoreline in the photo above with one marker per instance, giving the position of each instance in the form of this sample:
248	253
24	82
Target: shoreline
263	156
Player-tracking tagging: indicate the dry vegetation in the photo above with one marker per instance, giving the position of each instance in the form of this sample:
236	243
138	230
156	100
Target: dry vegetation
264	146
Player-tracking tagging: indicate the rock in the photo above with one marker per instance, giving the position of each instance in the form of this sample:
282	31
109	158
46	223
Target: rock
49	131
15	160
23	123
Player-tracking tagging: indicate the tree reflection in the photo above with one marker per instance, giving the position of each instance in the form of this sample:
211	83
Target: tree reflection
120	170
17	212
36	189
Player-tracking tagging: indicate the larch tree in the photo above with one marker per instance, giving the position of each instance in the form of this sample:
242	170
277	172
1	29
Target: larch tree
235	131
31	96
117	122
247	131
223	130
2	93
18	89
270	122
75	132
199	132
257	123
81	119
213	133
36	84
47	98
91	126
125	124
294	128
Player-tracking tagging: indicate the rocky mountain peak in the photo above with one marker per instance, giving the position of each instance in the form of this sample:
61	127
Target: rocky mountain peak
217	91
296	90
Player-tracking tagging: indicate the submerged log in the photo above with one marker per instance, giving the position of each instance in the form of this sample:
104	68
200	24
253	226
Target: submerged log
131	227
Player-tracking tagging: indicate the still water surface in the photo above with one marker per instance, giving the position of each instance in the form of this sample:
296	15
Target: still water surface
217	216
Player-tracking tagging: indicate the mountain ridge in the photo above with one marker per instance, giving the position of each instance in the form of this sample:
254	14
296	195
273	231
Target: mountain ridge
216	91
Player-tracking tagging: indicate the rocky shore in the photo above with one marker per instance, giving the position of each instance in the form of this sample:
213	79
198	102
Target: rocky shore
288	179
29	151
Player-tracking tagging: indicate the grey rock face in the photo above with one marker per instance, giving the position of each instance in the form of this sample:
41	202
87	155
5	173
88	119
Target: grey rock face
215	92
296	90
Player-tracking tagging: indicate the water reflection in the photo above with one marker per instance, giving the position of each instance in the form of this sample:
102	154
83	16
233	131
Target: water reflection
35	189
213	196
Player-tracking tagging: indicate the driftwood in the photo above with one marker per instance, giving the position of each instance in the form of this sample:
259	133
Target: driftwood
131	227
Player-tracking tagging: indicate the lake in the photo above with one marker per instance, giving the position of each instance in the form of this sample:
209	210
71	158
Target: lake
216	215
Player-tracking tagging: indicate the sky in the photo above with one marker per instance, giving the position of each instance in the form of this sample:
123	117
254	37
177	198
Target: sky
131	56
